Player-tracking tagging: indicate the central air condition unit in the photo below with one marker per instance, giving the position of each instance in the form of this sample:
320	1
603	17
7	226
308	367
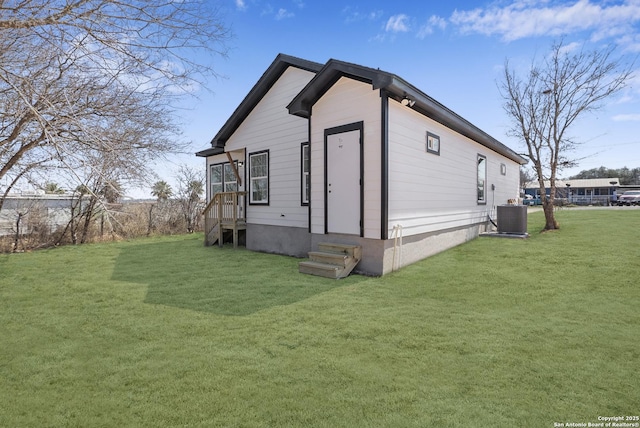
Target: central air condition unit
512	219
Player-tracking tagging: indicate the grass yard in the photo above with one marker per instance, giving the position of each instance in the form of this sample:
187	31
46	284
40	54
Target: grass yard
165	332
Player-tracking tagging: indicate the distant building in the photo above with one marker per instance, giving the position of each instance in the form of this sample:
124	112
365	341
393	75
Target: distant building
592	191
51	210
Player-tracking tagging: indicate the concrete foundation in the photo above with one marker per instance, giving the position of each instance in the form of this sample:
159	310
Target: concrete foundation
381	257
418	247
378	257
290	241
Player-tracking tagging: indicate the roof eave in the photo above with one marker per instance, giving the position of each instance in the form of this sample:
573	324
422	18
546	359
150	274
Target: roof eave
302	104
210	152
438	112
259	90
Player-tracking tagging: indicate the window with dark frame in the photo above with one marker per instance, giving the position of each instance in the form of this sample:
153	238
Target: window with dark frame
482	179
433	143
222	178
216	179
305	179
259	178
230	179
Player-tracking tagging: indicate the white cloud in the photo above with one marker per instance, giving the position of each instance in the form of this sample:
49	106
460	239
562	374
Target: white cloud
571	47
241	5
434	22
631	42
627	117
284	14
536	18
355	15
398	24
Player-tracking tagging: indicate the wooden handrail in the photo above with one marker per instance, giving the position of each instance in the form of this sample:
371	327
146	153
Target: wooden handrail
208	207
225	208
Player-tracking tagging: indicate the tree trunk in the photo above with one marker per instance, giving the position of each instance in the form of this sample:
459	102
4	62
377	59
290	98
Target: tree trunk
88	216
16	240
549	215
150	224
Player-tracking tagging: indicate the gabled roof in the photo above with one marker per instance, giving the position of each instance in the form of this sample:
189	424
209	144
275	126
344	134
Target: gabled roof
259	90
398	89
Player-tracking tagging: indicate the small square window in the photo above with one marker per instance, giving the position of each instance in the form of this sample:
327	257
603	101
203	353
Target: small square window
433	143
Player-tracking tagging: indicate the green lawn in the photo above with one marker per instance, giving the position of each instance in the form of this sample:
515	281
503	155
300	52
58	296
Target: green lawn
165	332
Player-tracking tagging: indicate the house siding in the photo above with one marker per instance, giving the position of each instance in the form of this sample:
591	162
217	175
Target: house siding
346	102
428	192
433	197
269	126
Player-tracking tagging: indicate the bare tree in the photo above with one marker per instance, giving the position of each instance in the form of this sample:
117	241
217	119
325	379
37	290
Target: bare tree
549	99
526	177
99	76
190	190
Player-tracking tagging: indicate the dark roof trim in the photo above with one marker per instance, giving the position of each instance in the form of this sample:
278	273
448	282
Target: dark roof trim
396	89
259	90
210	152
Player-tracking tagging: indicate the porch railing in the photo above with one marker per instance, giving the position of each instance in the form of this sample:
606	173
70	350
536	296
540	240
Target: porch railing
226	210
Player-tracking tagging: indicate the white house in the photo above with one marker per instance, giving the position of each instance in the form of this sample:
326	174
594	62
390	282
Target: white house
347	154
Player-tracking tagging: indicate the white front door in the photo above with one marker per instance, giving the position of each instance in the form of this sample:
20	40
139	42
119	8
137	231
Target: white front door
343	182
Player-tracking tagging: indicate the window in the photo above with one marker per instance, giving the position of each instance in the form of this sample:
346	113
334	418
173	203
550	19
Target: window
216	179
433	144
223	179
230	180
482	179
305	183
259	178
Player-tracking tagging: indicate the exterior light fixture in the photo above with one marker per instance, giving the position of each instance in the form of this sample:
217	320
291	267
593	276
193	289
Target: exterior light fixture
406	101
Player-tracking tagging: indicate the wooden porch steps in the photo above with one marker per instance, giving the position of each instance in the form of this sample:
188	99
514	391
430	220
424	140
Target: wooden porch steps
211	237
224	217
222	233
332	260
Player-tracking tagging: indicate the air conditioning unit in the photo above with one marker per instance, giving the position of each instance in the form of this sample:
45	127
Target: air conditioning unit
512	219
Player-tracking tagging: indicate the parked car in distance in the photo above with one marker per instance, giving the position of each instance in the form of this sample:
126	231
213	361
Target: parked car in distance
630	197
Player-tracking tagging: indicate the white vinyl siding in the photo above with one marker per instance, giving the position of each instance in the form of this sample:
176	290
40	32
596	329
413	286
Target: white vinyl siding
348	101
269	126
430	193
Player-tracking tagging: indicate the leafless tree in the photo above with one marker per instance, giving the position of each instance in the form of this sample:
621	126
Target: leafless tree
190	190
86	77
544	104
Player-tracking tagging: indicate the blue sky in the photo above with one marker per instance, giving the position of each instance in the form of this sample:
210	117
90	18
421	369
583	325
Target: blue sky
454	51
